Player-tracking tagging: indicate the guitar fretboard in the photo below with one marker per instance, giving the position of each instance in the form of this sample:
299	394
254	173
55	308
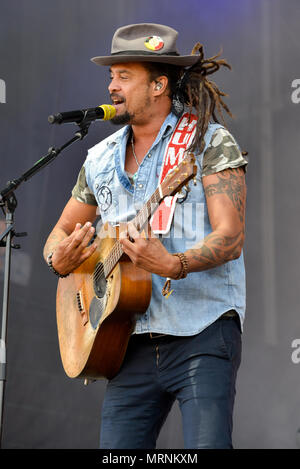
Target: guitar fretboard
139	222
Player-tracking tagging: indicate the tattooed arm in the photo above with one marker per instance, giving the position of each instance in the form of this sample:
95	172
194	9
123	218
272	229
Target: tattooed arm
226	195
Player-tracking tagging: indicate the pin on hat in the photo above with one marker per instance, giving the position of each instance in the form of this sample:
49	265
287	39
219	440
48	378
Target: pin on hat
154	43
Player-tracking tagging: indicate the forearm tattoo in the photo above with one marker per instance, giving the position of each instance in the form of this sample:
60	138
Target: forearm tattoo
216	249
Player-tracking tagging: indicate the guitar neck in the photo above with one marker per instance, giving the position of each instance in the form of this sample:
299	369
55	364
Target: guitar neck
170	185
139	221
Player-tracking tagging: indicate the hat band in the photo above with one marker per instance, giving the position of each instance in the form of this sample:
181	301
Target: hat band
143	52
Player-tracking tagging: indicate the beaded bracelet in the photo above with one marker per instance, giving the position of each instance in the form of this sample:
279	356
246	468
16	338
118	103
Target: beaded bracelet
182	274
184	265
49	262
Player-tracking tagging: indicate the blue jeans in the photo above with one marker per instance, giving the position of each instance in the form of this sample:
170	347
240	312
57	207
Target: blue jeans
199	371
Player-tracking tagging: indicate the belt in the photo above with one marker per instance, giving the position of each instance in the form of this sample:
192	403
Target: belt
155	335
229	314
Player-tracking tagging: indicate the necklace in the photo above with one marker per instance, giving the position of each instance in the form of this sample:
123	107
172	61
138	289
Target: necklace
132	146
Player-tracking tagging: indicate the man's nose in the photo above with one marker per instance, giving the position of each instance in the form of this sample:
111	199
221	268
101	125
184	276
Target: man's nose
114	86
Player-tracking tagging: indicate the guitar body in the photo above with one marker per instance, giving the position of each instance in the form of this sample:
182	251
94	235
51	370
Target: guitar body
96	315
97	304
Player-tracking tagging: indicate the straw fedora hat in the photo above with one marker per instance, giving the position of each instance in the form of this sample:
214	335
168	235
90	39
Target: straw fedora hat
145	42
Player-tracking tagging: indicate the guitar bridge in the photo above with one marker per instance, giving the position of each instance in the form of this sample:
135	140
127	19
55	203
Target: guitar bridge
81	307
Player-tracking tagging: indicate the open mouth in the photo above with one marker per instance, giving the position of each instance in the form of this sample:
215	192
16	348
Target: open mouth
116	100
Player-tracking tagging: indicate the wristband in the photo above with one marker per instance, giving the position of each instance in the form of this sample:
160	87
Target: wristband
184	265
49	262
166	292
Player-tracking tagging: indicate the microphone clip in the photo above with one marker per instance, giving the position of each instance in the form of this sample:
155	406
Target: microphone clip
83	129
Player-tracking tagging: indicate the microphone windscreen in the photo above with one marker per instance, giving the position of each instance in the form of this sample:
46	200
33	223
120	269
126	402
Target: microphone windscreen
109	111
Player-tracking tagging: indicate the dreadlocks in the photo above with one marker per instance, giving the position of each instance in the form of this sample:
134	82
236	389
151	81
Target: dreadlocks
202	94
191	87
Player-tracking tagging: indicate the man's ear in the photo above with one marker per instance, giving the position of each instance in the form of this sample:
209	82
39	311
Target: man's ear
159	85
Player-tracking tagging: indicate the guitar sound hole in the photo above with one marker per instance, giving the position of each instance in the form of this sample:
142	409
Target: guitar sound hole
99	281
98	303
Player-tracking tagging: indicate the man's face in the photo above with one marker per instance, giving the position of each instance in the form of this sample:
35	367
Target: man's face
130	92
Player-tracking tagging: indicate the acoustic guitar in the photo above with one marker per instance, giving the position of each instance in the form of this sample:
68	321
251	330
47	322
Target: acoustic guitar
98	303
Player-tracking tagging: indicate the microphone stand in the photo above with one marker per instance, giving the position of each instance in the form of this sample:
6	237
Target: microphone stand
8	203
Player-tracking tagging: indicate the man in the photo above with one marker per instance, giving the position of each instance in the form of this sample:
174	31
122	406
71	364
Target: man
187	345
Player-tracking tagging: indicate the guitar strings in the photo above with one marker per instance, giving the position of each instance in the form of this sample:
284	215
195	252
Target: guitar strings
117	251
102	267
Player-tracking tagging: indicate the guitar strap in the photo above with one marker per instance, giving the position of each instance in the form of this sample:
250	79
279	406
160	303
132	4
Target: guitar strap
182	136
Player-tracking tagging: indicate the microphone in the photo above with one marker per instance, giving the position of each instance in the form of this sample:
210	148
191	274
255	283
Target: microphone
104	112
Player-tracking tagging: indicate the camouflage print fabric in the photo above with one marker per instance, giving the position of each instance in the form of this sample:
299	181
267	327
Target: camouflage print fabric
222	153
81	190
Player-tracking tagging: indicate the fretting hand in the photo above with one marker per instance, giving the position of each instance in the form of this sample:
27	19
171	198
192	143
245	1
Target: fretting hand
148	252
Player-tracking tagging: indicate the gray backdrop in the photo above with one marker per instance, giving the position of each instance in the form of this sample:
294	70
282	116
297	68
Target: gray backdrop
45	49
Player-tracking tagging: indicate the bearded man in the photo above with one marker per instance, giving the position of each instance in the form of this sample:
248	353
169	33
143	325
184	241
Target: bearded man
186	346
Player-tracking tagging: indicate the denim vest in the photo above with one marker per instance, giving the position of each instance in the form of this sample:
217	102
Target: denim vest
199	299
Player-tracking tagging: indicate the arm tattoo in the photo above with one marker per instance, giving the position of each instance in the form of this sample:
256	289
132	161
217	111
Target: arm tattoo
231	183
216	250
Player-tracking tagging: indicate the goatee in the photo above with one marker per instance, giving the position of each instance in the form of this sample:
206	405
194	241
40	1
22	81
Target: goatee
121	119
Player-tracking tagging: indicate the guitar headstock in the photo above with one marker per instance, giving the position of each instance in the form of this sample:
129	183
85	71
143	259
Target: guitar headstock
179	176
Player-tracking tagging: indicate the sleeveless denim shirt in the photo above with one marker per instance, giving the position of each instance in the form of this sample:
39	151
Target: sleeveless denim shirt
202	297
